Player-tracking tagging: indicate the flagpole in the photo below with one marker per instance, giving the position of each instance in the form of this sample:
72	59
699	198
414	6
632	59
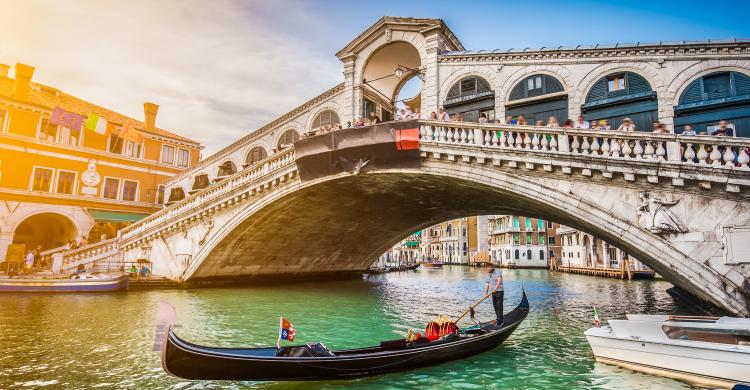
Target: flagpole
278	341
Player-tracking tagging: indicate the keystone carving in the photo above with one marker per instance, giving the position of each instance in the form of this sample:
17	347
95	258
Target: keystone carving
659	218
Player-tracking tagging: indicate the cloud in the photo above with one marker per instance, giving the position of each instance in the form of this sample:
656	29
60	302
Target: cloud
218	69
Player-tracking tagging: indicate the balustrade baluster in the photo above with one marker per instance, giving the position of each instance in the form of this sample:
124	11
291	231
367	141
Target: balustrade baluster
743	159
585	146
442	134
526	141
545	142
488	138
689	154
495	140
575	145
648	152
638	149
595	146
660	151
505	139
518	140
729	156
535	142
715	156
553	143
422	133
614	148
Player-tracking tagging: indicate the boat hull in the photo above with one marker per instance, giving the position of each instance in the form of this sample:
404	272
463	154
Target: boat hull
704	366
191	361
64	285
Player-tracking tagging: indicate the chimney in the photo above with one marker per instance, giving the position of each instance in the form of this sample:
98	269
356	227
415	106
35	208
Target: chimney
149	110
4	70
23	79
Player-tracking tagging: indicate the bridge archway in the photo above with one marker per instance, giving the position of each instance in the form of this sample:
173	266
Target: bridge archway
364	215
385	72
48	229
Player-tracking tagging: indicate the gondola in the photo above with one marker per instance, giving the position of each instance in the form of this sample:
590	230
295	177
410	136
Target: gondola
314	361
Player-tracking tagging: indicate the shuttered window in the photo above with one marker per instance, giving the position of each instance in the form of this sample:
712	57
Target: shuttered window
325	118
256	154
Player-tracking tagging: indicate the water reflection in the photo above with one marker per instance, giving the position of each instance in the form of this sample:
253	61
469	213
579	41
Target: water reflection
79	341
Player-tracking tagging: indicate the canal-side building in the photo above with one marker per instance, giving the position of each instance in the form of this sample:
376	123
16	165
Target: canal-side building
582	251
73	170
518	242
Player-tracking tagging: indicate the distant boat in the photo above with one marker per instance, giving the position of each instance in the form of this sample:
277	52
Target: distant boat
432	265
413	267
84	283
707	351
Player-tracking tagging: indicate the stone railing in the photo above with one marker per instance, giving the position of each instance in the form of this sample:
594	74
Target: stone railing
715	151
89	253
213	192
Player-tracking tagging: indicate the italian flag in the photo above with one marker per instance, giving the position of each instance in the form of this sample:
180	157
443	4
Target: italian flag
96	123
597	323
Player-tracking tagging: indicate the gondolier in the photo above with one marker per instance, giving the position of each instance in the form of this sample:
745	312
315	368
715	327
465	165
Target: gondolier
495	286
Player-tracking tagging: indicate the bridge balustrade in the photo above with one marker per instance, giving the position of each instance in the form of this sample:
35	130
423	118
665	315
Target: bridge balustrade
701	150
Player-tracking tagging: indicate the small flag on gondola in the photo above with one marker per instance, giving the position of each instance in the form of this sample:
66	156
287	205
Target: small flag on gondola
597	323
286	331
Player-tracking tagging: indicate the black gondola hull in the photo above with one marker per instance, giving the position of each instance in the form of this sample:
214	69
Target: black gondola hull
191	361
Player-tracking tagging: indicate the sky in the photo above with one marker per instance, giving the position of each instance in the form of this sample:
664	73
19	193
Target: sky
220	69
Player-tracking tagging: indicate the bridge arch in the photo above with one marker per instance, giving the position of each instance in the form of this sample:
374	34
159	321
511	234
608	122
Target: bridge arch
255	154
367	214
47	228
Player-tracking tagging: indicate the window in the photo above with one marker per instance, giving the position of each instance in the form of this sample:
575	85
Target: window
528	254
256	154
183	157
288	138
114	144
516	223
549	225
616	82
551	240
69	136
534	82
717	85
468	87
130	190
540	224
167	154
66	181
528	238
541	239
325	118
518	254
160	194
516	239
42	179
47	131
111	188
528	224
541	255
133	149
368	106
227	168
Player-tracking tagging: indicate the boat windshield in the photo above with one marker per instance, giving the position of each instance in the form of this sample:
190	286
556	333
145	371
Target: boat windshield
716	335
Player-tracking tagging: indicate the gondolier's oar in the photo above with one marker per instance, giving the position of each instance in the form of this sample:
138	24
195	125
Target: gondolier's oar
472	307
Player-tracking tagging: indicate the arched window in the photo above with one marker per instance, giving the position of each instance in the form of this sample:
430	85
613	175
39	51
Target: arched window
325	118
289	137
541	254
199	182
536	85
256	154
706	99
448	230
618	84
467	88
528	254
227	168
176	194
518	254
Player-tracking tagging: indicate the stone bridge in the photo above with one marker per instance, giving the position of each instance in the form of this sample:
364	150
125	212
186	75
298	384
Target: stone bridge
678	203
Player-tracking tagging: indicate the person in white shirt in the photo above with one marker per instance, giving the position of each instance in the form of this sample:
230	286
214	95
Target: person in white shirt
627	125
444	116
494	285
582	123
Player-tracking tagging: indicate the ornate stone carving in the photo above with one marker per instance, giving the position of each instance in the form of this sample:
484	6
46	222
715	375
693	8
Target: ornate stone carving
388	34
207	226
658	218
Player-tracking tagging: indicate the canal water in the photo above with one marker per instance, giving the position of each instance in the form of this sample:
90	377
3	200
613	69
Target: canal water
104	340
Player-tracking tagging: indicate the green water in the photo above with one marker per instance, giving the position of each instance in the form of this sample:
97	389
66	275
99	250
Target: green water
104	340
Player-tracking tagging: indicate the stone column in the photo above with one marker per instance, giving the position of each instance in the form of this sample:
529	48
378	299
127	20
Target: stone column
605	253
431	86
6	238
348	113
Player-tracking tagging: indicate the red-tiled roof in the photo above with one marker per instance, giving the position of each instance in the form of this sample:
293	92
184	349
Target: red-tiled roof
49	98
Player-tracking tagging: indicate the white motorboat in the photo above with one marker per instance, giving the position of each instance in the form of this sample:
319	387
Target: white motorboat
707	351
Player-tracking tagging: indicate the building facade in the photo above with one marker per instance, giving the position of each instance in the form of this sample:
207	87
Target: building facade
59	184
518	241
582	250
